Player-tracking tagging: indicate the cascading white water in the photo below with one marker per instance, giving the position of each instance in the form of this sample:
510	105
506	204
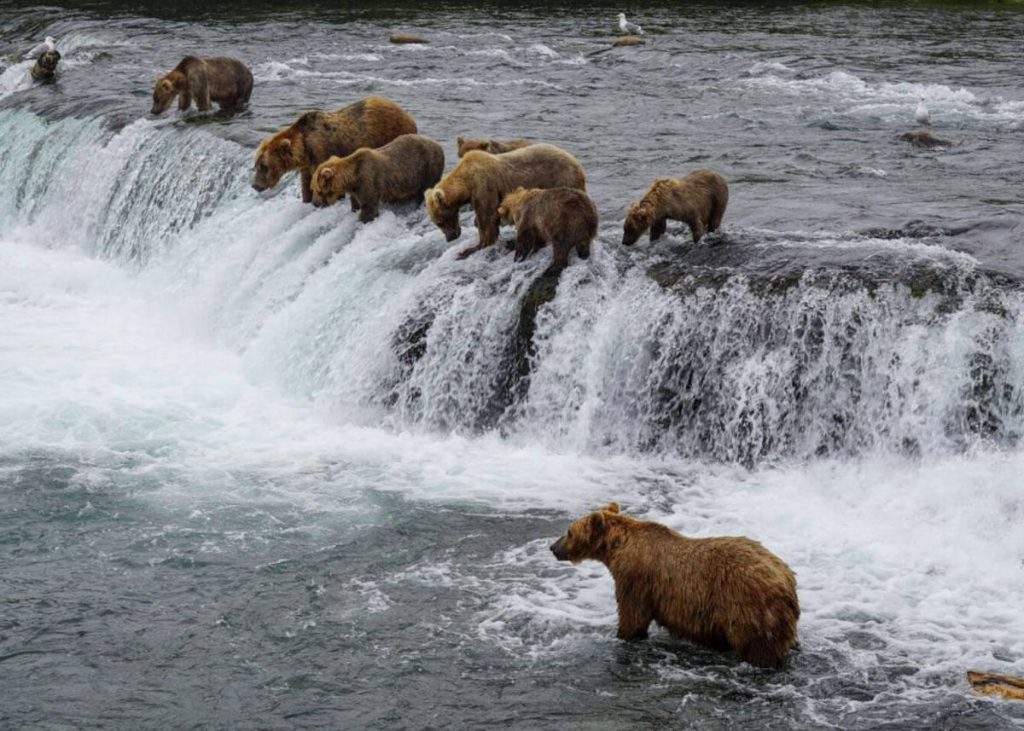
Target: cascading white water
380	323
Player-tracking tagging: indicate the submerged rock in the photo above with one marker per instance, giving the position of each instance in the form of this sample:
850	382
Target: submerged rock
925	139
628	41
406	38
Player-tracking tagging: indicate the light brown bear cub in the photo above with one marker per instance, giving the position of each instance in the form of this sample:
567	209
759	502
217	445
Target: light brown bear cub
495	147
565	218
317	136
226	81
698	200
483	180
723	593
398	172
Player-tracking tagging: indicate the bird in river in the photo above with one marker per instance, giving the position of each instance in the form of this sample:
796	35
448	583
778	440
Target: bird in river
631	29
921	115
49	44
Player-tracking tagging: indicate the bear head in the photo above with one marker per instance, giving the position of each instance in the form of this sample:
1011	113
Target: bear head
274	157
464	145
444	215
587	537
638	219
333	179
47	61
512	205
165	90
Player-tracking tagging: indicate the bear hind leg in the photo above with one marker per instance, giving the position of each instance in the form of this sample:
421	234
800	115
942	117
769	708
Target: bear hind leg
583	249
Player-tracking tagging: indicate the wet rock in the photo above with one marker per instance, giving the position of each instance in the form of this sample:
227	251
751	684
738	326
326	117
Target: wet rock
406	39
628	41
925	140
1007	687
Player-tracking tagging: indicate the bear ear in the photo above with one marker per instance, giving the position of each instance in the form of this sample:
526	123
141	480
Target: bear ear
611	508
459	141
597	523
435	195
286	143
326	174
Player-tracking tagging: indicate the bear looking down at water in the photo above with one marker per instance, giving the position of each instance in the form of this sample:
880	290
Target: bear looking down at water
317	136
226	81
399	171
723	593
45	67
565	218
483	180
699	200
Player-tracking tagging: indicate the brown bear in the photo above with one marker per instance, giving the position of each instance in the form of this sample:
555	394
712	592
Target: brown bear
45	68
483	180
495	147
698	200
226	81
399	171
723	593
317	136
565	218
924	139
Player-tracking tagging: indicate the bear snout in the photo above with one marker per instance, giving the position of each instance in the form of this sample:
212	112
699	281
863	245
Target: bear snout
558	548
258	187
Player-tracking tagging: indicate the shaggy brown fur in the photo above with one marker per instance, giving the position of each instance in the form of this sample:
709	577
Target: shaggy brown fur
495	147
925	139
46	66
698	200
399	171
317	136
226	81
724	593
566	218
483	180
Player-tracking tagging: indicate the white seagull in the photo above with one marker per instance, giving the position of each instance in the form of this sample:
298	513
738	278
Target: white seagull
631	29
38	50
921	115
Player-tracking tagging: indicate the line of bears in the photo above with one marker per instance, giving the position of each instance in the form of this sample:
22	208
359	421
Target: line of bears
724	593
371	152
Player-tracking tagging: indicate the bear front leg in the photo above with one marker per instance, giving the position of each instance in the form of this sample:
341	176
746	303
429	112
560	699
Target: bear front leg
306	181
526	243
634	618
184	101
487	225
355	203
367	212
658	228
698	230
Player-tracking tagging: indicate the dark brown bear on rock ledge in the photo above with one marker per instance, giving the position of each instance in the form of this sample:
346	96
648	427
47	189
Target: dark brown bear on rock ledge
564	218
723	593
226	81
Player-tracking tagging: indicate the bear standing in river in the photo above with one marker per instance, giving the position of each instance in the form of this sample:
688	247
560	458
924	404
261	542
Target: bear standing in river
316	136
45	68
399	171
723	593
565	218
698	200
483	180
226	81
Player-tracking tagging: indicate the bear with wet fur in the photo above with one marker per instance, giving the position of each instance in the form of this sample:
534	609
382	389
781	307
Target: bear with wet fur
400	171
45	68
724	593
495	147
698	200
317	136
564	218
226	81
482	180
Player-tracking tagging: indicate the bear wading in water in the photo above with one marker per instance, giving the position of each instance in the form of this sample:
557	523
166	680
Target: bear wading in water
723	593
203	81
317	136
400	171
495	147
483	180
565	218
698	200
45	68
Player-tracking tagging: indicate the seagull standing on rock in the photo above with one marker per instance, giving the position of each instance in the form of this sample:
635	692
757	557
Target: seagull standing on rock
921	115
50	44
630	29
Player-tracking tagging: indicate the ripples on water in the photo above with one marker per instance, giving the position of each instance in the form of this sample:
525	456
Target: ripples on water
261	465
